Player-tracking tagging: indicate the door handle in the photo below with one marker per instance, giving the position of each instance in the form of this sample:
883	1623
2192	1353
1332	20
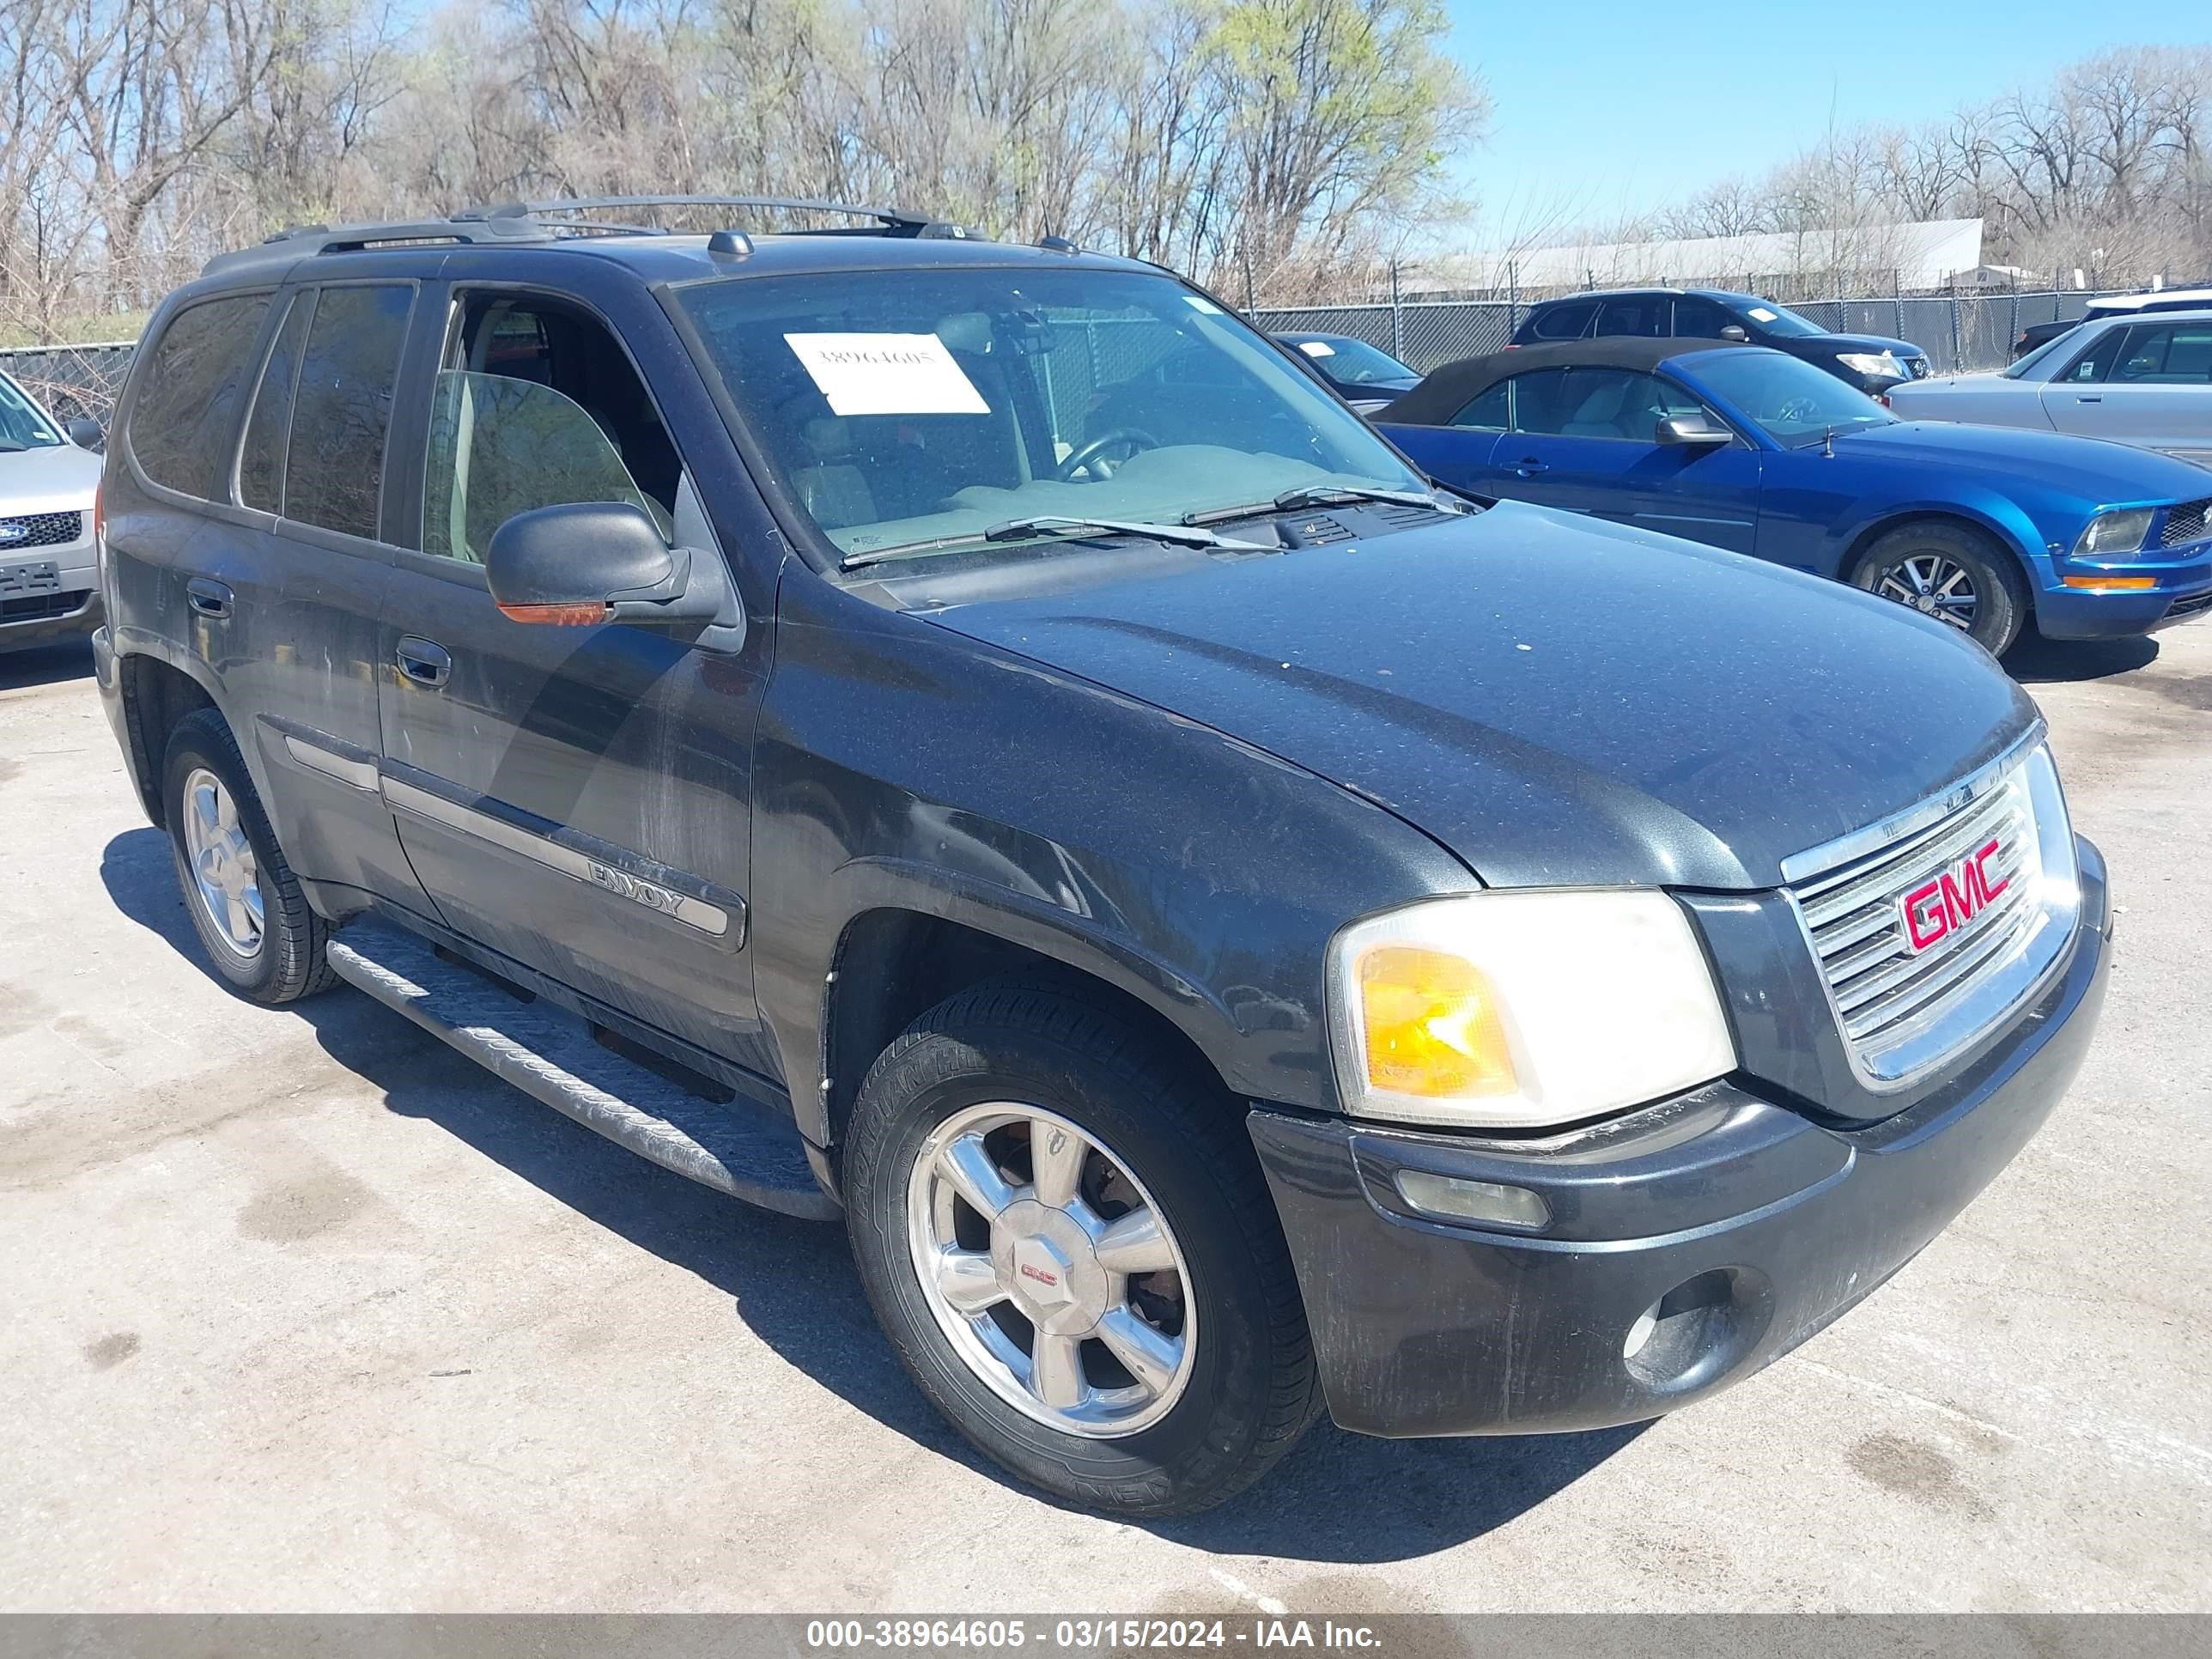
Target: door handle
1529	466
423	661
2099	398
208	597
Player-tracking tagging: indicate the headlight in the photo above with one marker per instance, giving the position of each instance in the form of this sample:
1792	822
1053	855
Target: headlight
2114	532
1515	1009
1871	362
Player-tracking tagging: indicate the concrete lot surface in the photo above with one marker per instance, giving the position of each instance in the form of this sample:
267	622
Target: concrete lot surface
301	1311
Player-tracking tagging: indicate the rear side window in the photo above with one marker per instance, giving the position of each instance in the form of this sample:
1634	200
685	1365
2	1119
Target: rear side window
1643	315
334	461
2173	354
187	412
1564	322
261	463
1487	413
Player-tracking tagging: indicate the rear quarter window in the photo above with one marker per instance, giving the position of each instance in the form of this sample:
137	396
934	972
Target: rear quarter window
1563	322
186	419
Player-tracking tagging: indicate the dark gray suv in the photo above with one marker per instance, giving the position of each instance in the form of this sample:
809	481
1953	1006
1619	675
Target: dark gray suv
1229	927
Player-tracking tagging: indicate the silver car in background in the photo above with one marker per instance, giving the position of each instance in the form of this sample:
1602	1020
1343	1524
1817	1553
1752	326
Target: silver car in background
2142	380
49	567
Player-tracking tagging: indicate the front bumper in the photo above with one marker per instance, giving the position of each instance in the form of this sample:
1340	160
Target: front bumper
68	613
2183	591
1740	1225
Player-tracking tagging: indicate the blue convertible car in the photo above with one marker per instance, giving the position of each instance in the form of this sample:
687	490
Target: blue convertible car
1989	529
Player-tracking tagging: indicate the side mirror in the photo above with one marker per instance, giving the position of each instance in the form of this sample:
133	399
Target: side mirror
1733	331
84	431
1700	430
585	562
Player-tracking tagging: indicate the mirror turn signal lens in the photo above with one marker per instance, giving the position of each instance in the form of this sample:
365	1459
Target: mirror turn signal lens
1432	1026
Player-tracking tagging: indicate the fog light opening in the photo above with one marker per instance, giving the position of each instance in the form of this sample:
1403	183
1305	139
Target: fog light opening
1455	1197
1698	1331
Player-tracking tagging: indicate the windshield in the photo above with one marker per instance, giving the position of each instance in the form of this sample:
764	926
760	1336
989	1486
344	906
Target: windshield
1778	319
1793	402
915	410
22	424
2031	366
1354	362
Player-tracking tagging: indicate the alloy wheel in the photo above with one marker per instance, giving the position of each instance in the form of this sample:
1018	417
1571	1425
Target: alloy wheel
1934	585
225	878
1050	1270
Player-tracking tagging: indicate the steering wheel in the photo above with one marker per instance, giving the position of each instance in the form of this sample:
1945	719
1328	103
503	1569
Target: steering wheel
1799	411
1096	450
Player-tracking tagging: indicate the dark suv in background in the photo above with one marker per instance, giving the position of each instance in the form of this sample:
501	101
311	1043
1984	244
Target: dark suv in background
975	741
1871	362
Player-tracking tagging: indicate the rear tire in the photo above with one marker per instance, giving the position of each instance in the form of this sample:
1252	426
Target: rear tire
246	904
1221	1380
1953	573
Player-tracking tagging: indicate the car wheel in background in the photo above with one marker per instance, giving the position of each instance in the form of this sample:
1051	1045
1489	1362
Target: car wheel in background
1957	575
1068	1236
243	899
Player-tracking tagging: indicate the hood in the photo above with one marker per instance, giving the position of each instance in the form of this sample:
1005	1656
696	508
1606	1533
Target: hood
2098	472
1875	343
54	479
1558	700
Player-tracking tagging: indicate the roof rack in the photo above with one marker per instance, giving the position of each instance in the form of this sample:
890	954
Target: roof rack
543	222
889	222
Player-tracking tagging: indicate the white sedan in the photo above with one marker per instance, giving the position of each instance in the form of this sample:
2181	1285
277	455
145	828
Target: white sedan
2144	379
49	577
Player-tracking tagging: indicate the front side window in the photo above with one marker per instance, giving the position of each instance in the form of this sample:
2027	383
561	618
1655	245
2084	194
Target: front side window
536	405
23	425
1700	320
334	463
2176	354
1795	403
186	415
2096	361
910	411
1596	403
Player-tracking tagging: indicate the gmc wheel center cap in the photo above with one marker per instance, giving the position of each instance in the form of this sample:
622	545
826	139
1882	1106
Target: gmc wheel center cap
1044	1260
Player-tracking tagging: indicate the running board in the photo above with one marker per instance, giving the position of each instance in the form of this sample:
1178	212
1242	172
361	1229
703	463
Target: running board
738	1146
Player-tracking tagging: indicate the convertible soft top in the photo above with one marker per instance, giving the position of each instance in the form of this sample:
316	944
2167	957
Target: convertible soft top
1447	391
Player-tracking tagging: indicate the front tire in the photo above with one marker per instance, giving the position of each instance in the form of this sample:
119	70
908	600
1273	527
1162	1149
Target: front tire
1955	575
1068	1239
245	903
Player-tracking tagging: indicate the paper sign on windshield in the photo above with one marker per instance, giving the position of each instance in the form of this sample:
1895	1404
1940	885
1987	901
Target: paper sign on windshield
1317	348
887	374
1761	314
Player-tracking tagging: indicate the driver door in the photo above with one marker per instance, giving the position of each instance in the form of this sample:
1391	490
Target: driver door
577	800
1586	440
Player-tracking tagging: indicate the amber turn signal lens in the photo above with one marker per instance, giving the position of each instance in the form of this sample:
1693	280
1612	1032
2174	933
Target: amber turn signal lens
2111	584
1431	1025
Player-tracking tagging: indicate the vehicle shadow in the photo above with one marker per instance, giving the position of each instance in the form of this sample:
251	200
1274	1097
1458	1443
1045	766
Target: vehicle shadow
2038	661
46	664
1338	1498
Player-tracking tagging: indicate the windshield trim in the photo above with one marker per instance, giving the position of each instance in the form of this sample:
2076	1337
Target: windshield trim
797	527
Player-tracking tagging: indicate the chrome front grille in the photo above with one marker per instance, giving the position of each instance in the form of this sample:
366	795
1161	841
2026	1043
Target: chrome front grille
1928	935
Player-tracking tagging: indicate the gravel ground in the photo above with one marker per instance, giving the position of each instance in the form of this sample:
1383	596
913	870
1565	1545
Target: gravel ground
303	1312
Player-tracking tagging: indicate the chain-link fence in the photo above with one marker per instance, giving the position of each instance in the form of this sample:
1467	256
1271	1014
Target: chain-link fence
1959	331
70	381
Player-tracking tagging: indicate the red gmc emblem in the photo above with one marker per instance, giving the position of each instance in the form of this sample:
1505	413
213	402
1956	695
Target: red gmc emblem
1936	909
1039	1274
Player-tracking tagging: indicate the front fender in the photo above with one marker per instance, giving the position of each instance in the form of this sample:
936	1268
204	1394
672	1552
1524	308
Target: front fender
1986	508
901	766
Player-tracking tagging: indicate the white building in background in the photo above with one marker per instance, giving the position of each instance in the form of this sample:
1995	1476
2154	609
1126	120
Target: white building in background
1924	255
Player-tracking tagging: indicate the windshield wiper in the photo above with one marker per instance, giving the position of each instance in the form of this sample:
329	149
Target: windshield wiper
1014	530
1305	496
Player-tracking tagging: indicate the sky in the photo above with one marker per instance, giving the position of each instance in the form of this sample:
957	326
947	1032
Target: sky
1604	109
